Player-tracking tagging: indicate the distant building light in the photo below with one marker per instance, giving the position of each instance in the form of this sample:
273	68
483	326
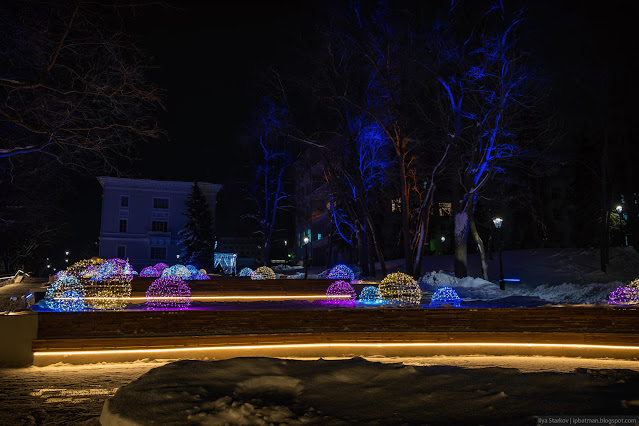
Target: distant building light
48	266
177	256
67	252
443	239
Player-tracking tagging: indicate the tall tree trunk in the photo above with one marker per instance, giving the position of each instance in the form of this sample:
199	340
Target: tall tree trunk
378	249
479	242
423	234
371	257
461	242
405	212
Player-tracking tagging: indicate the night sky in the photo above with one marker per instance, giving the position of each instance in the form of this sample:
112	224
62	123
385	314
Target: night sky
212	58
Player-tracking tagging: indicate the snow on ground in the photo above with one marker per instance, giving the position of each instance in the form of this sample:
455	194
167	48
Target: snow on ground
72	394
260	391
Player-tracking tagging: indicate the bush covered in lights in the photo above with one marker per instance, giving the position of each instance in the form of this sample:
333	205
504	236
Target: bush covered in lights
400	288
177	271
339	289
246	272
370	294
168	292
341	272
65	294
264	273
445	296
624	296
160	267
149	271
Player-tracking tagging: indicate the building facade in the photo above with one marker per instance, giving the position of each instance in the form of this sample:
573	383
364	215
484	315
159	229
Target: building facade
141	218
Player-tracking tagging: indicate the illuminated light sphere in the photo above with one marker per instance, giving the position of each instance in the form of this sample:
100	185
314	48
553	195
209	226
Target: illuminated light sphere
168	287
59	275
110	288
200	276
634	283
177	271
203	271
86	268
149	271
160	267
624	296
246	272
400	288
339	289
65	294
445	296
264	273
192	268
370	294
341	272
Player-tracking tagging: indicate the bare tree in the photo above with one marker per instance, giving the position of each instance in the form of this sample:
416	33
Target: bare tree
73	88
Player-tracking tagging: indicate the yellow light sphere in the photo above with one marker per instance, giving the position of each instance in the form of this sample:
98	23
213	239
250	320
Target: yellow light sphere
264	273
400	288
634	283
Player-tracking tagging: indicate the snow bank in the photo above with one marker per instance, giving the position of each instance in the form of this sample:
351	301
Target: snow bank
260	391
478	289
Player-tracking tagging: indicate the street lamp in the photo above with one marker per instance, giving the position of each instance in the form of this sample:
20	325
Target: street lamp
305	257
497	222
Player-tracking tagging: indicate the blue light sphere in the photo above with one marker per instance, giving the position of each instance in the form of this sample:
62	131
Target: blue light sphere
149	271
246	272
370	294
445	296
177	271
341	272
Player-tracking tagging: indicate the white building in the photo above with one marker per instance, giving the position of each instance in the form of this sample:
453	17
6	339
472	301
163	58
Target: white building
141	218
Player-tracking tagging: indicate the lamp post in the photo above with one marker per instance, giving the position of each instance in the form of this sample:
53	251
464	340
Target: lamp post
305	257
619	209
497	222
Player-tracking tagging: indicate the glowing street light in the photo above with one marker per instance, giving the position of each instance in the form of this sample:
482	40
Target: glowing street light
619	209
305	257
498	222
67	252
443	239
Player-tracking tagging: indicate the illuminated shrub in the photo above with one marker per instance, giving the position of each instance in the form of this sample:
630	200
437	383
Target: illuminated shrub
445	296
341	272
624	296
246	272
263	273
200	276
400	288
177	271
339	289
160	267
168	292
149	271
65	294
370	294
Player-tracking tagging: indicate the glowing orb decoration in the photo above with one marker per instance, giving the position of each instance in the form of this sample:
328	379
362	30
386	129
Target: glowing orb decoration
168	292
149	271
203	271
445	296
111	285
400	288
200	276
370	294
264	273
65	294
177	271
624	296
634	283
192	268
86	268
339	289
59	275
341	272
246	272
160	267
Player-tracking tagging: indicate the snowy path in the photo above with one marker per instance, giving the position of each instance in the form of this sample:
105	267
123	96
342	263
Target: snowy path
70	394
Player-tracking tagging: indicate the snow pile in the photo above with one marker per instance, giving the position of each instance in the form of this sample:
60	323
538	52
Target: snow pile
571	293
467	288
261	391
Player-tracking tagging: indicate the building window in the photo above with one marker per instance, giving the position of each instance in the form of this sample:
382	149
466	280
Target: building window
123	223
445	209
160	203
124	201
158	252
121	252
159	226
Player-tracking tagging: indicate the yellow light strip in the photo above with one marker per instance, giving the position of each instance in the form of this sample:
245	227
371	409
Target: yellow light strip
177	298
335	345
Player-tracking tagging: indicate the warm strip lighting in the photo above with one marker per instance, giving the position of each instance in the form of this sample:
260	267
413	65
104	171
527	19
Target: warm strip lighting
168	298
335	345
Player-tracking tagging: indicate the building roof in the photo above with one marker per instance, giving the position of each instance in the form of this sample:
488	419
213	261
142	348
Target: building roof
148	184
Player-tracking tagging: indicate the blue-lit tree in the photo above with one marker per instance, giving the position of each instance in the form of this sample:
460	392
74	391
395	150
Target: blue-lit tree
489	98
268	191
